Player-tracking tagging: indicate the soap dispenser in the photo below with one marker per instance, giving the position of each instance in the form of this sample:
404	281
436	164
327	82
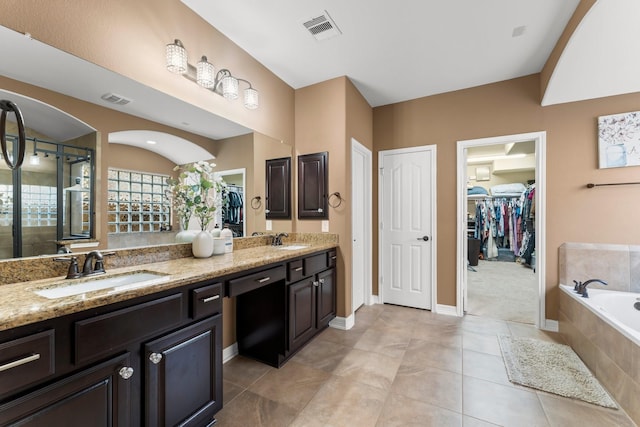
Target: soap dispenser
227	235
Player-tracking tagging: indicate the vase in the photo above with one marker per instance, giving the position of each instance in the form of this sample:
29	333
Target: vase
185	236
202	245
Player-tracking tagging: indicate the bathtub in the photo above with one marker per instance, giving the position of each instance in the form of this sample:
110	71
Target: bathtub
614	307
604	330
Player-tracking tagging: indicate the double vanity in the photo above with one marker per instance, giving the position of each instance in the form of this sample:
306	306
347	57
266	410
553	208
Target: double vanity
142	343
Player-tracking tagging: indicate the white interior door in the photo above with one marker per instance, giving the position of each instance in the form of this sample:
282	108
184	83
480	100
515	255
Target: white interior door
361	223
407	221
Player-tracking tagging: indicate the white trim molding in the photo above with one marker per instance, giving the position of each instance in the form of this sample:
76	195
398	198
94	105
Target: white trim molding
540	139
447	310
551	325
230	352
343	323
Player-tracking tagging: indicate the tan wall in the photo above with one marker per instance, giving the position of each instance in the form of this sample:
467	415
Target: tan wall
129	37
574	213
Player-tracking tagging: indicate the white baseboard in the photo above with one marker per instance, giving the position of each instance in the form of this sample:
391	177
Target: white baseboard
230	352
344	323
449	310
551	325
374	299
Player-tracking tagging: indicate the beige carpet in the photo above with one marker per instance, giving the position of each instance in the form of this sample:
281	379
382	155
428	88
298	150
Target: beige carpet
551	367
502	290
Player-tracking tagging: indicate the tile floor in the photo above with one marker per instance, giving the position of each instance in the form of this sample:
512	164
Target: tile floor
400	367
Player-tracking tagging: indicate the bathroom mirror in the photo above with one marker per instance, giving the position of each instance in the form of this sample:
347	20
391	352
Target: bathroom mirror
216	134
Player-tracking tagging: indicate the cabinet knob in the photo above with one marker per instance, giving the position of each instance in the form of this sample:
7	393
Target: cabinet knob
126	372
321	281
315	283
155	358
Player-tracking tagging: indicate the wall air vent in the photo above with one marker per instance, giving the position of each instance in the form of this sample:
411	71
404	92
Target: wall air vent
322	27
114	98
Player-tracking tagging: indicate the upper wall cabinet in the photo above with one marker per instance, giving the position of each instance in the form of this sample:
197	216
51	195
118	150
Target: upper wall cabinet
312	186
278	188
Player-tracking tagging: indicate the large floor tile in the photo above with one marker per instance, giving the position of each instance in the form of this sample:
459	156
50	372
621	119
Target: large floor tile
368	368
340	403
563	412
320	354
502	405
481	343
484	366
243	371
400	411
388	344
429	385
426	353
250	409
346	338
294	384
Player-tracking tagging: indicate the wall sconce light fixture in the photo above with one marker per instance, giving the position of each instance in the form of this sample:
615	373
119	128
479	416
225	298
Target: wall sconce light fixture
223	82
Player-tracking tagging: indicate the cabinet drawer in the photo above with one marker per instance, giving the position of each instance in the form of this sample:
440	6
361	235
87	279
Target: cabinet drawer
206	301
314	264
254	281
294	271
102	335
332	257
26	360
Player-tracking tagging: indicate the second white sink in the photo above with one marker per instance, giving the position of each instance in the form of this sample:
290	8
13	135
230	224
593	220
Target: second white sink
119	282
292	247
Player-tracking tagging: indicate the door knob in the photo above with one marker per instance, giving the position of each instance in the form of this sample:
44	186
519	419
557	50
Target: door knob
425	238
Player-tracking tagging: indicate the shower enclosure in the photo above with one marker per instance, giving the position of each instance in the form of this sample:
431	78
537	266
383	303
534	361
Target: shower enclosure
49	199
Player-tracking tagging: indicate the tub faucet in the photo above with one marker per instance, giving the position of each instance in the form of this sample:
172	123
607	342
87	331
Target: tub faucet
581	287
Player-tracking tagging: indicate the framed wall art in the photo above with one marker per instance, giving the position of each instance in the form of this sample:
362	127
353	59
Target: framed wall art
619	140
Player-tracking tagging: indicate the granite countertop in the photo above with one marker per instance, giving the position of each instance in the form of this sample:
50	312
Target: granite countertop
20	305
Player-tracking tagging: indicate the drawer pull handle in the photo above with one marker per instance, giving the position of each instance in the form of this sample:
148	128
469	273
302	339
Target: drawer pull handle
264	279
297	269
19	362
155	358
212	298
126	372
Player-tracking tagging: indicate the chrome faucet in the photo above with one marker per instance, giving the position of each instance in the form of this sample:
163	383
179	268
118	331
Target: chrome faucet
277	239
581	287
91	269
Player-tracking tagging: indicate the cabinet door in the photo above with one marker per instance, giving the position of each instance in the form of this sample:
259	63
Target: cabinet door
278	189
183	381
97	396
326	297
302	312
312	186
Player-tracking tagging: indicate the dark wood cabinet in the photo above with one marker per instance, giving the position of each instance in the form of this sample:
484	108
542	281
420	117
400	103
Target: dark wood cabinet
326	297
278	188
96	396
180	375
312	186
302	312
95	367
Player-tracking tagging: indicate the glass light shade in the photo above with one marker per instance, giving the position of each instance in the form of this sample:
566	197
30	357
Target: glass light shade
230	87
34	159
176	57
205	73
251	98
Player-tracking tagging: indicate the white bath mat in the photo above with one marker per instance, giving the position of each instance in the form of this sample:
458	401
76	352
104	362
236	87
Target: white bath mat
551	367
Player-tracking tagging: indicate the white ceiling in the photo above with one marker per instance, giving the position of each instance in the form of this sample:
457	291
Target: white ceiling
404	50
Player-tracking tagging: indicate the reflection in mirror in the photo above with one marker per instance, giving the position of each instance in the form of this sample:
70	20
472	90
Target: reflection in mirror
88	82
233	206
48	201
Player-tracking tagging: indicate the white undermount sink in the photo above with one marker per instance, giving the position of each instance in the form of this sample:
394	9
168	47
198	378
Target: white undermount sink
292	247
119	282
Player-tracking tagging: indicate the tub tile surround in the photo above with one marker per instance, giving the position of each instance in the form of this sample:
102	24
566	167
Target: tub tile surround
611	356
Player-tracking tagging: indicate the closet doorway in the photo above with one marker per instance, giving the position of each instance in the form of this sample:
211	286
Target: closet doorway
501	222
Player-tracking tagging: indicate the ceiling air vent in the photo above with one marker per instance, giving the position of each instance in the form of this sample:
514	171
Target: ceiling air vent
114	98
322	27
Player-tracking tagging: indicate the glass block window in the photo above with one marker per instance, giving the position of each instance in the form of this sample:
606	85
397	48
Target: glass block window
39	204
137	202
